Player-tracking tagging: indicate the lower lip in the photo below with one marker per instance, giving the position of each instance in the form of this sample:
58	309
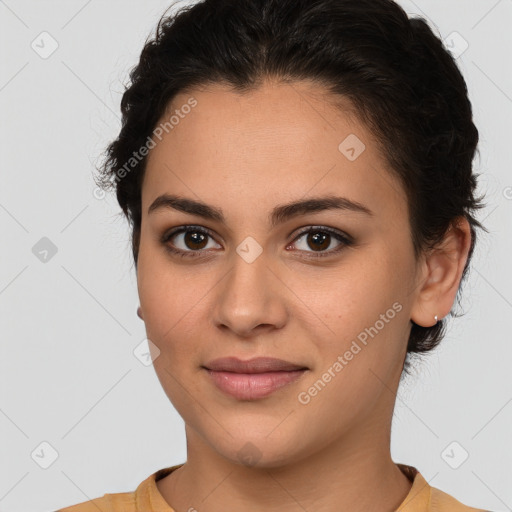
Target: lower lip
251	386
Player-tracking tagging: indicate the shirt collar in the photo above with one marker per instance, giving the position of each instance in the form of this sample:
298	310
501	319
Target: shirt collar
148	497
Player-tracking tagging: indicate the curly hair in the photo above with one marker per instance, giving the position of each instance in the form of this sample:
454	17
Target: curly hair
405	86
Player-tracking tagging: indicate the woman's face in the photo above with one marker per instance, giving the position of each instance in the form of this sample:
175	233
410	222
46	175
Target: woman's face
257	279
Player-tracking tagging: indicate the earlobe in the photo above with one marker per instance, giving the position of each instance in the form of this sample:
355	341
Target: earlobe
444	266
139	313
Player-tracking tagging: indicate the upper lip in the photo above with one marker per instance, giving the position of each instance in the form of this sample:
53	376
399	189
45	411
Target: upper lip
255	365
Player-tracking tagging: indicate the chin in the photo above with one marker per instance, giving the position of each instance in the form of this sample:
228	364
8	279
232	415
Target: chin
253	450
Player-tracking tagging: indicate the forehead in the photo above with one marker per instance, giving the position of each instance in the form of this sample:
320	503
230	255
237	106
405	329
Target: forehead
273	144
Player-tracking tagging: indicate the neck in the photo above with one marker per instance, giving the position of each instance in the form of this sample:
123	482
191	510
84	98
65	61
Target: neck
353	473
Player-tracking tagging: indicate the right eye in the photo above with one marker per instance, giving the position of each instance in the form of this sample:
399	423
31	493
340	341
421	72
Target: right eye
192	239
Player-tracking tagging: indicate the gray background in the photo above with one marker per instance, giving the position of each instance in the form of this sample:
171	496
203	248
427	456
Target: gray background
68	374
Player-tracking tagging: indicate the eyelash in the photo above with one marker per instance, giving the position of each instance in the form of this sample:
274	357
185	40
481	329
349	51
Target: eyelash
344	239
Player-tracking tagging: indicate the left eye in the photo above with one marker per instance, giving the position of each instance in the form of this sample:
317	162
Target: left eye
320	239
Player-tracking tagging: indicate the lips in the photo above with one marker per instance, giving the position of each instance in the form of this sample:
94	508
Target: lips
253	379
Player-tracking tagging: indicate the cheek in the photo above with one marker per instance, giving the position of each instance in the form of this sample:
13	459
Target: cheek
167	302
160	294
173	301
365	309
346	298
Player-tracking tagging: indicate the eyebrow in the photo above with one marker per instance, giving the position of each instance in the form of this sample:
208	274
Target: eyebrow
279	214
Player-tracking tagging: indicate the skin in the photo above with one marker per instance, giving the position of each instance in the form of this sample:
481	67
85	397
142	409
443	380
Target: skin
245	154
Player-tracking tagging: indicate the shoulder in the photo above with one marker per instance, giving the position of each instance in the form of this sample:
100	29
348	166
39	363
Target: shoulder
424	498
118	502
146	497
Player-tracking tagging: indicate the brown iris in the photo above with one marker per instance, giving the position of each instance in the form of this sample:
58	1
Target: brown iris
194	239
318	239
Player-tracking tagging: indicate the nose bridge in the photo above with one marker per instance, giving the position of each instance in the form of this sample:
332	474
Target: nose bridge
249	297
247	282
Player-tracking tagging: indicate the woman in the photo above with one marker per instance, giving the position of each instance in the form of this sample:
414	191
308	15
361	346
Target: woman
297	176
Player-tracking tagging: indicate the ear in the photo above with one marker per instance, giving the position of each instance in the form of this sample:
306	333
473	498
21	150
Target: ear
440	274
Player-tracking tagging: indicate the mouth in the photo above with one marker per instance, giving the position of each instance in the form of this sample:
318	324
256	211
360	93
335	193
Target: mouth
253	379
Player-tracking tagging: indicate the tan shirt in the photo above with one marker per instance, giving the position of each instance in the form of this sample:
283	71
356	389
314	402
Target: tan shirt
147	498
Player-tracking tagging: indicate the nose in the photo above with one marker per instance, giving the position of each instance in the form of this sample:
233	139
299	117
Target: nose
251	298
